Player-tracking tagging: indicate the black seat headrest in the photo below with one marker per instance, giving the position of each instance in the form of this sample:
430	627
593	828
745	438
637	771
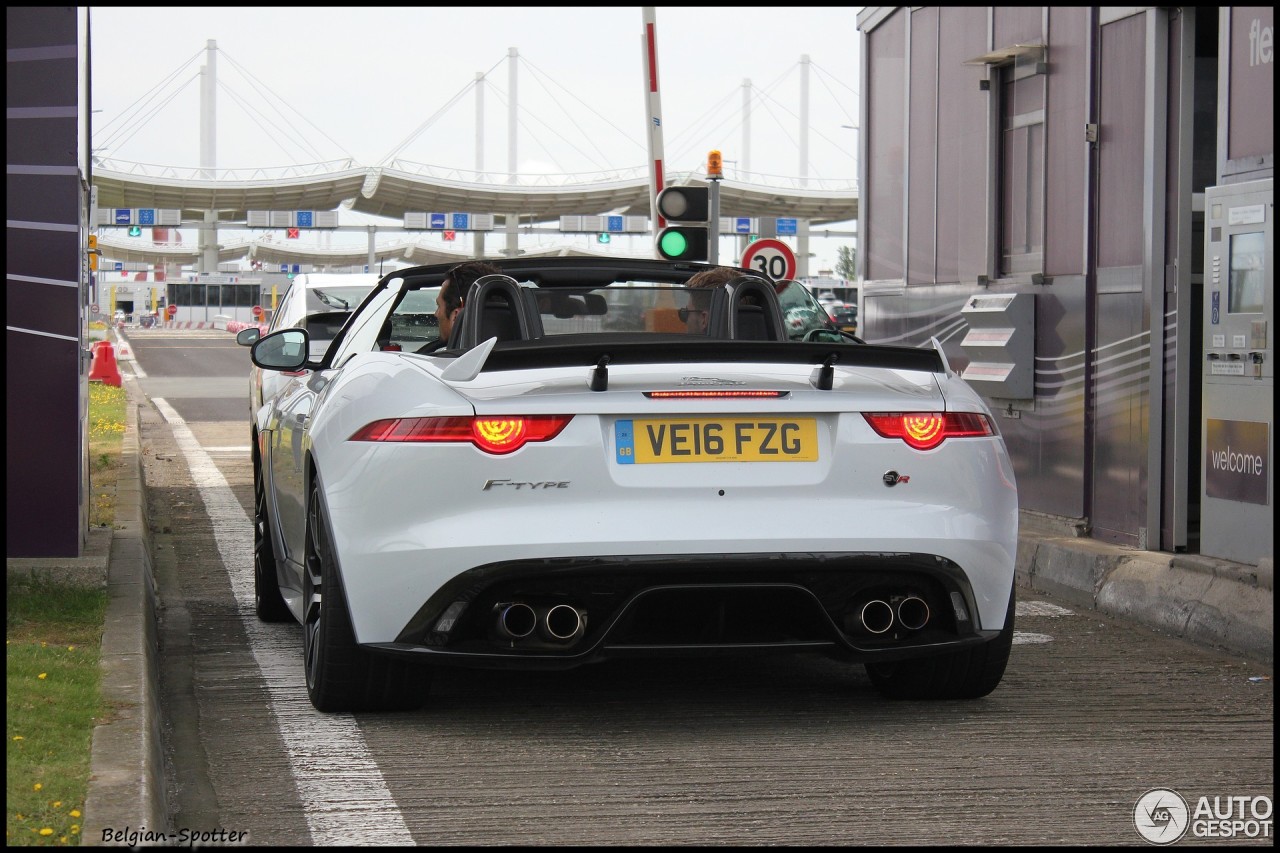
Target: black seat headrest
499	321
751	324
494	307
753	311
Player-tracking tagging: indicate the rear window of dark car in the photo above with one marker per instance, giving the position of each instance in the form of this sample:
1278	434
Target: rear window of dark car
338	298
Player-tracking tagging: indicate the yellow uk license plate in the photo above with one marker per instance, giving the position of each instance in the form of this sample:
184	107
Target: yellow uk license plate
644	440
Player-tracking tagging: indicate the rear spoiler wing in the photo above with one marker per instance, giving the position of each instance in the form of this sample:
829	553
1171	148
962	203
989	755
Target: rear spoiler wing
601	351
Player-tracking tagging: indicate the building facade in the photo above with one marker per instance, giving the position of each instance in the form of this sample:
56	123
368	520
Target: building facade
1076	202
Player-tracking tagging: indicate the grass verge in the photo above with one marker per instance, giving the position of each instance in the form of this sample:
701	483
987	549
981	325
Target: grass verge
52	702
53	635
106	436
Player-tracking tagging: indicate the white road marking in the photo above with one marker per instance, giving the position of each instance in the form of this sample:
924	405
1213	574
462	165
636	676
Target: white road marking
344	794
1020	638
231	448
1024	609
1041	608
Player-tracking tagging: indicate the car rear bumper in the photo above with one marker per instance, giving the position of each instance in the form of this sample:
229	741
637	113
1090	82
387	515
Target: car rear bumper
860	606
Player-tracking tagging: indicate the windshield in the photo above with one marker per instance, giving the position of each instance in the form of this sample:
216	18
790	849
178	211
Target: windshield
630	306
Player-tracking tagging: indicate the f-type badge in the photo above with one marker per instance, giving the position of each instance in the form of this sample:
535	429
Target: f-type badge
893	478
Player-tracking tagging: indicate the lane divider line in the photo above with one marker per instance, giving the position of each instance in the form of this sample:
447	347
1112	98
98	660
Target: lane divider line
343	792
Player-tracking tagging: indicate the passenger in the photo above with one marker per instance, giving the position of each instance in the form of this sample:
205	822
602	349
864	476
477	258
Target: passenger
457	282
697	315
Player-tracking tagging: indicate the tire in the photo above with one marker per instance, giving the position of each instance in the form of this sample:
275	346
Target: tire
267	601
341	676
967	674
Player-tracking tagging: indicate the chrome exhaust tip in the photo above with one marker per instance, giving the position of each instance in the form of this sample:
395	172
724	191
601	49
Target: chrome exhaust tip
876	616
516	620
913	613
562	622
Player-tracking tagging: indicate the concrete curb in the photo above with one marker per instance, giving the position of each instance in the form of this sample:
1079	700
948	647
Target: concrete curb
1209	602
126	778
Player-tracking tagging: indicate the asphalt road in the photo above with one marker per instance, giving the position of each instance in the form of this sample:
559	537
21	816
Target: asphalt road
1092	712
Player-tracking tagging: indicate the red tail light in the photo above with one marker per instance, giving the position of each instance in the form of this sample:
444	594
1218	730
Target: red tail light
926	430
501	434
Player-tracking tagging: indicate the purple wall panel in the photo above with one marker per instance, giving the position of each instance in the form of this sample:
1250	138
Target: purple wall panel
923	141
1067	151
881	222
44	441
962	145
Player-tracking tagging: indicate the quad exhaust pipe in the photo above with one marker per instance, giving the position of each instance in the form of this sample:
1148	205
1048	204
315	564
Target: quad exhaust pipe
913	613
559	623
516	620
877	616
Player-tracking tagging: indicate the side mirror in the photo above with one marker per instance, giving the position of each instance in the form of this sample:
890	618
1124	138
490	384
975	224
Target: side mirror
248	337
832	336
286	349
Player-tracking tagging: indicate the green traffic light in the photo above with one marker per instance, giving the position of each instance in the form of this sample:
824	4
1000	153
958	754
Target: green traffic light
673	244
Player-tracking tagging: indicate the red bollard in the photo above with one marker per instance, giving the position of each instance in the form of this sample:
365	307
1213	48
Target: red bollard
104	367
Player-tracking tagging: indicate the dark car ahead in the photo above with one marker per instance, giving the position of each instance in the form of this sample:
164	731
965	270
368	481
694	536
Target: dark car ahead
846	319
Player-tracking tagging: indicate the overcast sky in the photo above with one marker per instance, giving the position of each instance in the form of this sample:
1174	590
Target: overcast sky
308	84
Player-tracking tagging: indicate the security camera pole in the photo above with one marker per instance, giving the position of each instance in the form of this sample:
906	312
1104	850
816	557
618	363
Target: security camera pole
715	172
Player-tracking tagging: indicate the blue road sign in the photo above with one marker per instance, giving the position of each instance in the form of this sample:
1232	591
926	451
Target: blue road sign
436	220
613	223
124	216
119	266
786	226
304	218
146	216
296	268
284	268
742	225
461	221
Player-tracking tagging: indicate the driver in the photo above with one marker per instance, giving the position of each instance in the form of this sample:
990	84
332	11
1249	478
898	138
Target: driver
456	283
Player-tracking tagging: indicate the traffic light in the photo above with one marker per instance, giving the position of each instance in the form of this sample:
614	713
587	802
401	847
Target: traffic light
135	230
603	237
686	210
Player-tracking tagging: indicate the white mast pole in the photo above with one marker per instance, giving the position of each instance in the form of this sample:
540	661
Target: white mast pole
477	242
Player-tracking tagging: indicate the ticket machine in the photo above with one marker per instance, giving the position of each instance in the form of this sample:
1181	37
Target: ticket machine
1238	424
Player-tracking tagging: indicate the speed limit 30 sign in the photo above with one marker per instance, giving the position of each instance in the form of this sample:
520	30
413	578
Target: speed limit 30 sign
774	258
